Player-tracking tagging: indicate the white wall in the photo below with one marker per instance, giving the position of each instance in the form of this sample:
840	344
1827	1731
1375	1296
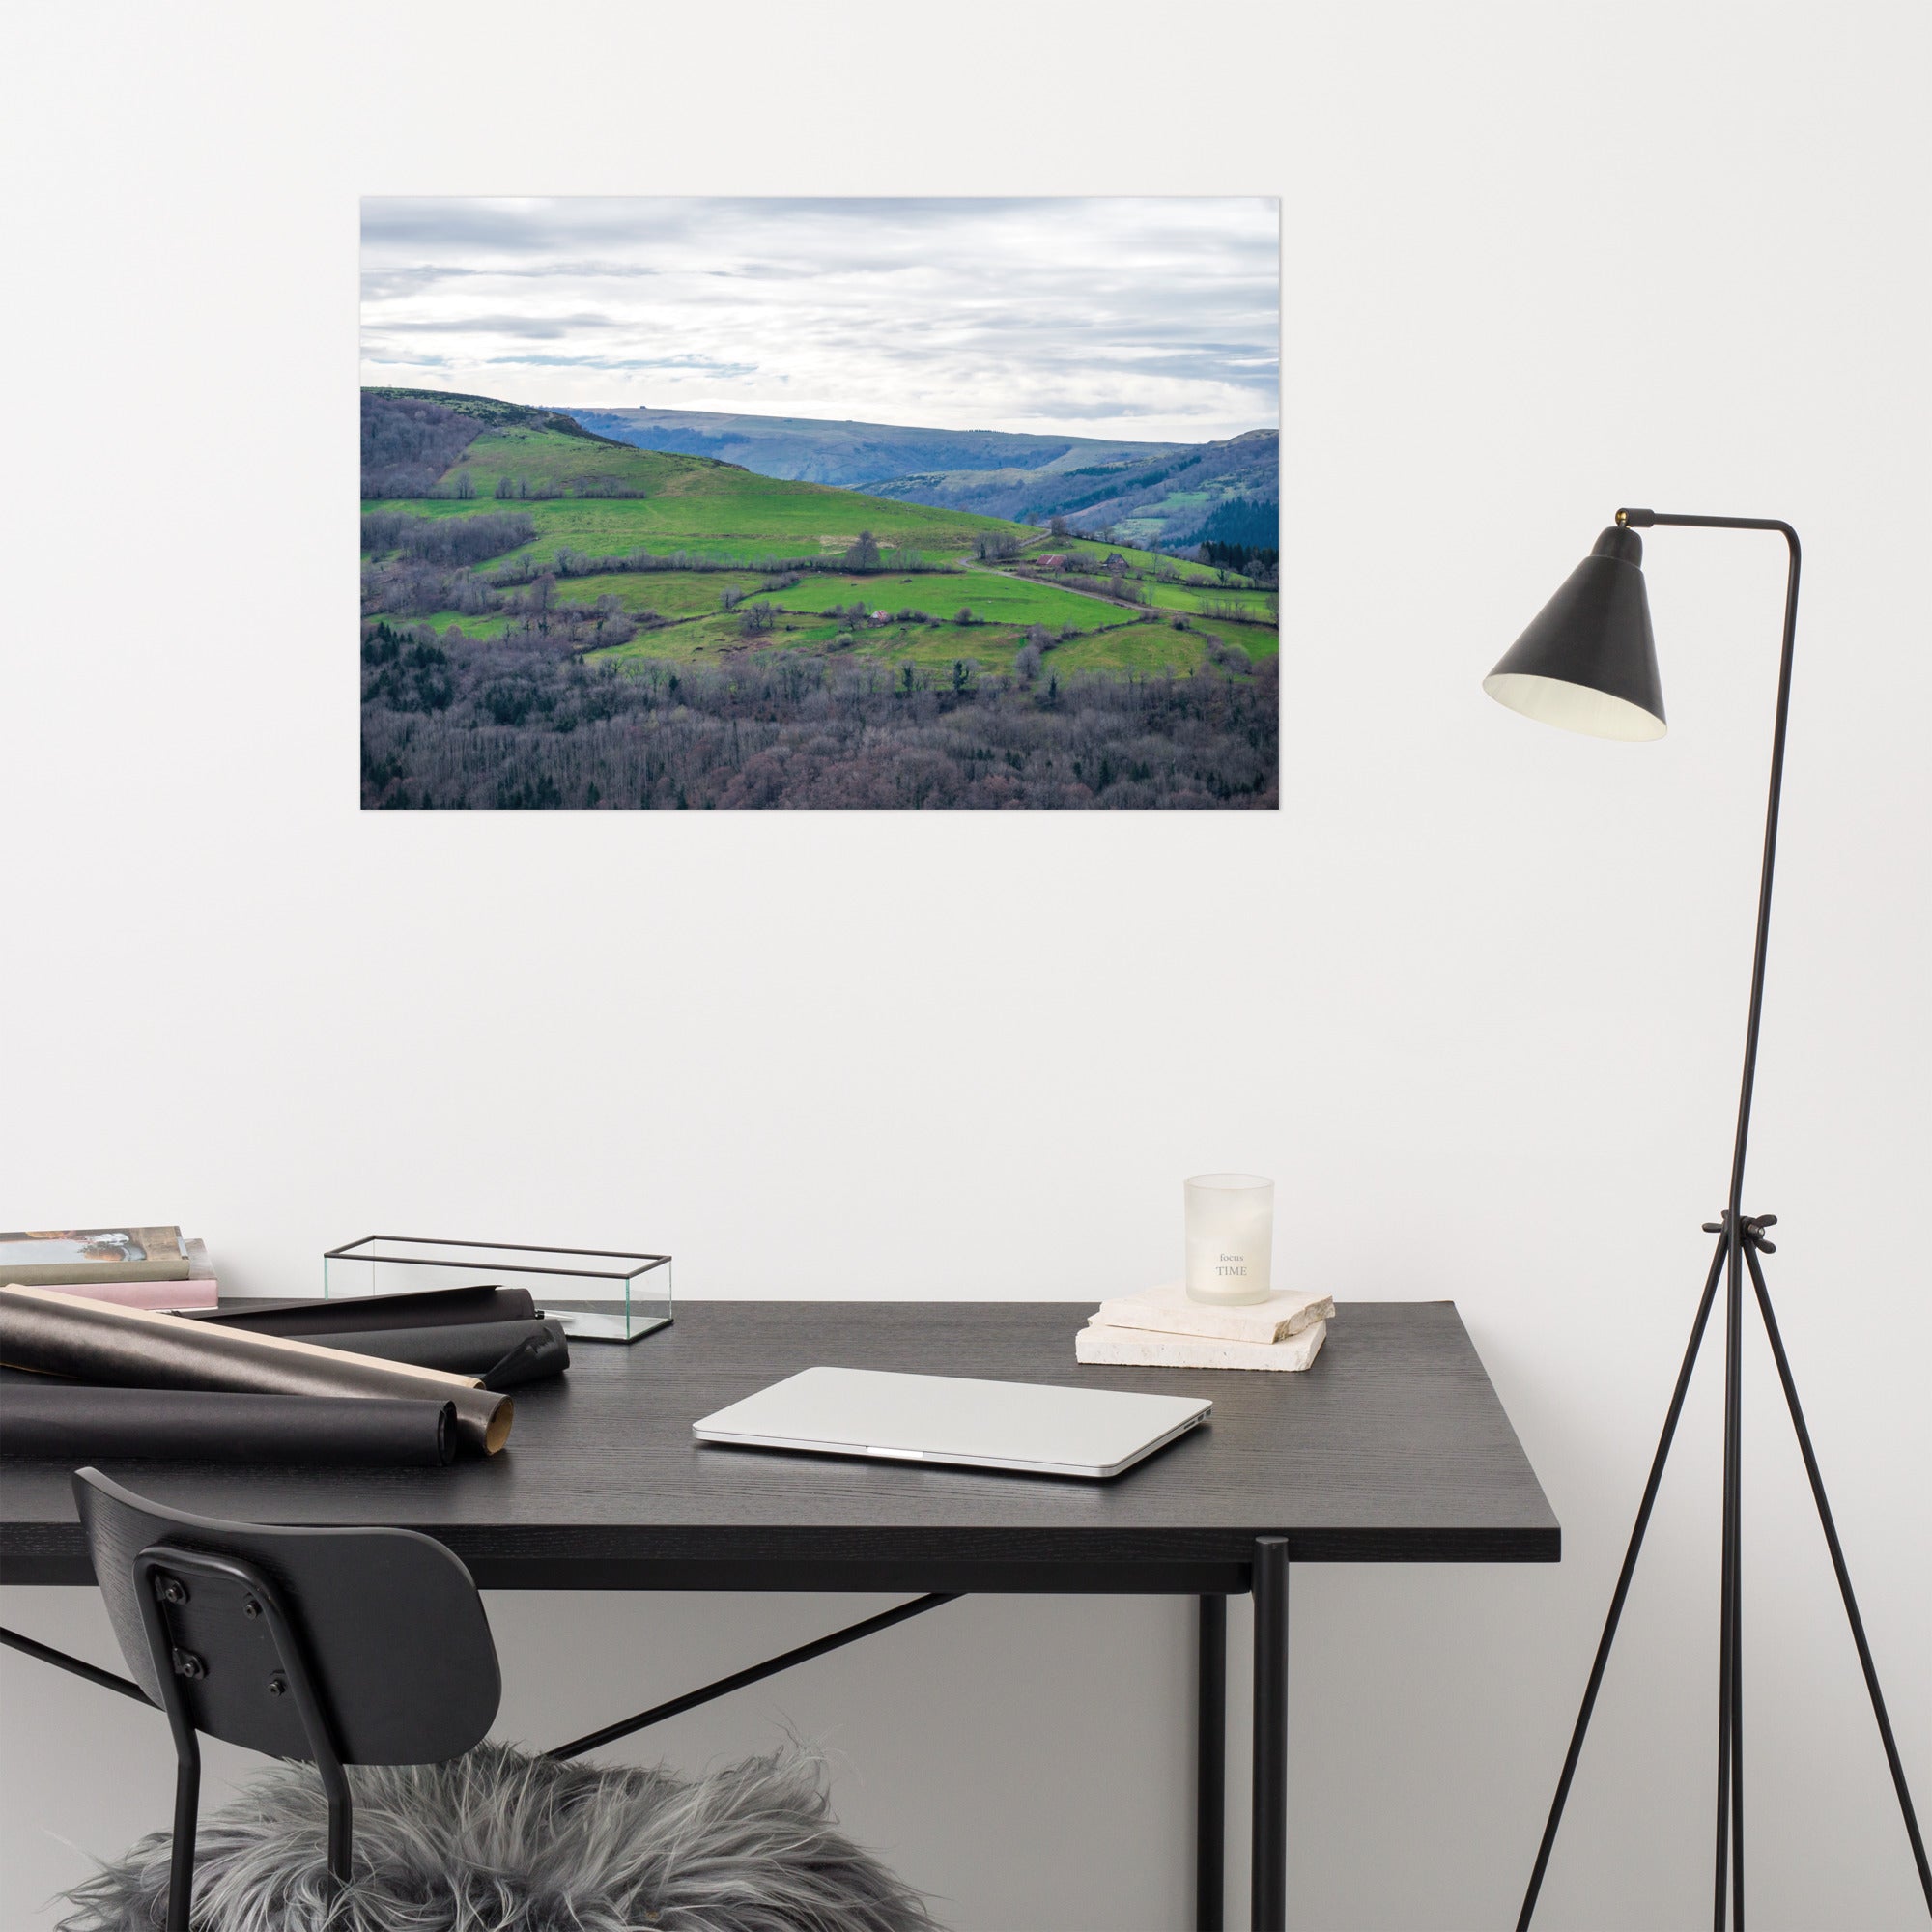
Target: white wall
1475	994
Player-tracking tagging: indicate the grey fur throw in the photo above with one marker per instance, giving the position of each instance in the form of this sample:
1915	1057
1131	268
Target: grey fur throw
496	1841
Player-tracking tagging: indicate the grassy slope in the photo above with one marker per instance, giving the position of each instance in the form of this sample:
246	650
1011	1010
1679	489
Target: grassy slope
1146	646
1112	638
711	509
708	509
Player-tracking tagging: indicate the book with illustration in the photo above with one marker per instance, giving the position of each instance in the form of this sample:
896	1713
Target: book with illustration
57	1255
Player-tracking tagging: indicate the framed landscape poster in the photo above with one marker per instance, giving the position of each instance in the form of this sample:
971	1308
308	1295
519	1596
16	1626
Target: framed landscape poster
887	504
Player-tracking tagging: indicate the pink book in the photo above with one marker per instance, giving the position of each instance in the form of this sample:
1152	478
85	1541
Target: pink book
159	1295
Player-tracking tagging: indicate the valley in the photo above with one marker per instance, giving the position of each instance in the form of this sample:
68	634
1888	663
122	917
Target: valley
1168	494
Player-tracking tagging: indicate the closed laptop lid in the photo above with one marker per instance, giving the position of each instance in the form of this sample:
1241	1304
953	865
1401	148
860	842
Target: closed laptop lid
954	1419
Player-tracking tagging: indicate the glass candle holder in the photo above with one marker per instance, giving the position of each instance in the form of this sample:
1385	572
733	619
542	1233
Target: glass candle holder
1229	1237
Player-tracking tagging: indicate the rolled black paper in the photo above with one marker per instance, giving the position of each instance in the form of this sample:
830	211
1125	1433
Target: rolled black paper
363	1314
525	1363
465	1348
137	1348
66	1422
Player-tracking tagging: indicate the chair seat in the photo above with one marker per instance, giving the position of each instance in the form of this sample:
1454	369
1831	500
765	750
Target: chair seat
498	1841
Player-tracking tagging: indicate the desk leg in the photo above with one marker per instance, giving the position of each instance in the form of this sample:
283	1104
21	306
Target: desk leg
1210	1767
1269	1892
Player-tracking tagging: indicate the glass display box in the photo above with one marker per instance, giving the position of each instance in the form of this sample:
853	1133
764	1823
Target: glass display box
599	1296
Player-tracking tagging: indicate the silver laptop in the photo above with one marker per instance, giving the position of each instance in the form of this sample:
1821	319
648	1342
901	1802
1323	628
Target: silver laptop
1044	1431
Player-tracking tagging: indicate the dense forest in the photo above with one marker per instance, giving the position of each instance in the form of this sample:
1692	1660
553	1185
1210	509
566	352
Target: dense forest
1257	561
408	443
527	724
1237	531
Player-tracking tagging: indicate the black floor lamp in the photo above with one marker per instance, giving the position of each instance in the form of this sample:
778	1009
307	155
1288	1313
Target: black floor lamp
1587	663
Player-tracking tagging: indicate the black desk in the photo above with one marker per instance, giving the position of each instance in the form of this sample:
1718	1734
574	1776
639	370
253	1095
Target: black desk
1392	1448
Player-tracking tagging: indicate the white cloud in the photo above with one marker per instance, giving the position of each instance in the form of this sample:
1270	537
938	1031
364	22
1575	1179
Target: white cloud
1149	317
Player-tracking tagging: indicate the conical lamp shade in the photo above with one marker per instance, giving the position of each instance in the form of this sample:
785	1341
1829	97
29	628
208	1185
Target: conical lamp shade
1588	662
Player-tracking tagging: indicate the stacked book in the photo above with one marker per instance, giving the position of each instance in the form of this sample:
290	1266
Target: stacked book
131	1267
1162	1328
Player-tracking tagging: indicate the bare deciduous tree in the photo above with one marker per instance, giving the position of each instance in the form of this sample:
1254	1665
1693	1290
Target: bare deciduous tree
522	722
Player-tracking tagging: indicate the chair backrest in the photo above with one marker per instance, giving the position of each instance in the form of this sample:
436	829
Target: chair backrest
391	1633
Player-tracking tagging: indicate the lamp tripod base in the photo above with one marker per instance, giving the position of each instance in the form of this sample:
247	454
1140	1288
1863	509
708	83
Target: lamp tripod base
1741	1241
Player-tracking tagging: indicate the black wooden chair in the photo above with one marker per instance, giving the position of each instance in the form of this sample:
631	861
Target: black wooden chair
371	1647
330	1646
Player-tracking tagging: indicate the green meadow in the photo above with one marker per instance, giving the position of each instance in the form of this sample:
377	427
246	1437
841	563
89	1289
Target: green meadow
1257	606
1146	646
670	593
716	511
986	593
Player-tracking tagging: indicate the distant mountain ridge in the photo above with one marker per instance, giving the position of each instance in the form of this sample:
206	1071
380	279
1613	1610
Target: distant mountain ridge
1168	500
853	455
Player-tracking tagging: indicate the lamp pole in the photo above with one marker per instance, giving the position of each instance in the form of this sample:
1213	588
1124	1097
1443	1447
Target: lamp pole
1730	1644
1643	520
1741	1240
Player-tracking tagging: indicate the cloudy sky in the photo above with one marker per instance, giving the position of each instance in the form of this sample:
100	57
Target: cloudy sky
1147	319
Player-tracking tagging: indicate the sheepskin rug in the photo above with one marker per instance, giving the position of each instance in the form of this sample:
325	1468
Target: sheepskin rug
497	1842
